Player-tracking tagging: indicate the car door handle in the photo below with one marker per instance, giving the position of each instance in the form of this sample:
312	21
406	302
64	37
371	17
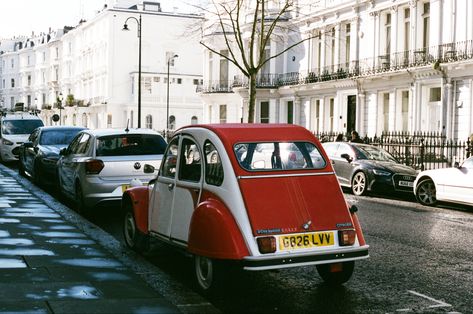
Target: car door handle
170	186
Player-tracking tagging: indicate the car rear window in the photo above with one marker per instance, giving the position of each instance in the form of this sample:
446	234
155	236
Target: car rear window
58	137
275	156
130	144
20	126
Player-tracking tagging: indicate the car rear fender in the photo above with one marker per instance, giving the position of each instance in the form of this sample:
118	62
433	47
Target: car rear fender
213	231
138	198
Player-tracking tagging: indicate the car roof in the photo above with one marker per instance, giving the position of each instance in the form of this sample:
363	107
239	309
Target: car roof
61	127
249	132
117	131
20	116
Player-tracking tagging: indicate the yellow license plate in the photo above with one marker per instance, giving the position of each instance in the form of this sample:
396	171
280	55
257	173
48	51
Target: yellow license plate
127	186
306	240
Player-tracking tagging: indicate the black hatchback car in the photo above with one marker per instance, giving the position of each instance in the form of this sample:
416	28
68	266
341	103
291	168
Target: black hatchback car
365	168
39	155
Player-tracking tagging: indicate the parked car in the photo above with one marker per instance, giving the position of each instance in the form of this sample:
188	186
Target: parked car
365	168
448	185
225	195
98	164
14	130
39	154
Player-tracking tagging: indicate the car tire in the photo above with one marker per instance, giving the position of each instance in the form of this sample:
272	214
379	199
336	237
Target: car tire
426	193
338	277
134	238
21	168
208	274
80	206
359	183
37	174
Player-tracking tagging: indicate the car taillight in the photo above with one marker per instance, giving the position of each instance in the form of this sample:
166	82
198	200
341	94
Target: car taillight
93	166
266	244
346	237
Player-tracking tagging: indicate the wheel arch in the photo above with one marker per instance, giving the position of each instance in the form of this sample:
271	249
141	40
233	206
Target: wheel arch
137	197
214	233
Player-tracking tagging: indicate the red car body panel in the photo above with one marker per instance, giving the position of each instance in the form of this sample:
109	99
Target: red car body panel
139	199
213	232
285	204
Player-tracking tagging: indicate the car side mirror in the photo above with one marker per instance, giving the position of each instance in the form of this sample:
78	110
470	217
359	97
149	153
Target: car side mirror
347	157
149	169
456	164
63	151
28	144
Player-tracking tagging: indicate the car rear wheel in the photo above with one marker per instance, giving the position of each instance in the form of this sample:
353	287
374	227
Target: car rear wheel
336	274
208	274
426	193
80	207
134	238
359	183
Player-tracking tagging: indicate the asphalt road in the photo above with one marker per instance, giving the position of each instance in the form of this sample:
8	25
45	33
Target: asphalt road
420	261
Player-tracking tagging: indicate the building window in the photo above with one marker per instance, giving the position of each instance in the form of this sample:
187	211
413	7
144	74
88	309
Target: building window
29	80
264	112
109	121
12	63
331	113
290	112
43	98
156	79
172	122
12	83
12	102
196	81
57	52
211	62
223	68
347	43
405	110
194	120
179	81
223	114
74	119
149	121
386	111
317	115
84	119
28	60
332	46
435	94
28	101
388	33
426	26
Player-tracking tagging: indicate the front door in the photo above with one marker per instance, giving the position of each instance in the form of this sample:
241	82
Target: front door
163	194
188	189
351	113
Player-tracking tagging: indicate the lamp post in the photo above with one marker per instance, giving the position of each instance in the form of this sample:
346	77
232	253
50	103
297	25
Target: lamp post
60	98
167	94
125	28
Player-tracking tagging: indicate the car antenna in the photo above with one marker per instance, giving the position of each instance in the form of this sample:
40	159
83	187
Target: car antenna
127	123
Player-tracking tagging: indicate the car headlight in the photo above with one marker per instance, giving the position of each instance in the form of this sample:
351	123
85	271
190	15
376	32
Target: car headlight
7	142
381	172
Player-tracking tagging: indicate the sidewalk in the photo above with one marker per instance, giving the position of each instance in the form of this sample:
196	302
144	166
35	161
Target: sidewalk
54	261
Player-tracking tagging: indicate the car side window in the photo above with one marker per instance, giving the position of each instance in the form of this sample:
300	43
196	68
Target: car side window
73	146
170	159
213	165
330	148
345	149
83	144
190	164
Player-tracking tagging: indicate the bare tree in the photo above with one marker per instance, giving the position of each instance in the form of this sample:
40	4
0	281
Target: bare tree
247	27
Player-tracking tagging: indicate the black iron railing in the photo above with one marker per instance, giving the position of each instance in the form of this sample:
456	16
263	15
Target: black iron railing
420	150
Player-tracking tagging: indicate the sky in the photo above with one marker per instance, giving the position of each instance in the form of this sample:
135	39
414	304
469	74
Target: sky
22	17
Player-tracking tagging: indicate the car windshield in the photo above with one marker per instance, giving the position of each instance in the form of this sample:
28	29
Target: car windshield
21	126
130	144
57	137
375	153
278	156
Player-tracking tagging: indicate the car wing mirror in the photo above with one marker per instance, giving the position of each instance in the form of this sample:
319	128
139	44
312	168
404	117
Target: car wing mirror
347	157
456	164
148	168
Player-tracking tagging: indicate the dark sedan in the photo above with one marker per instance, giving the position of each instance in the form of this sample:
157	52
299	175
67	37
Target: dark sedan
365	168
39	155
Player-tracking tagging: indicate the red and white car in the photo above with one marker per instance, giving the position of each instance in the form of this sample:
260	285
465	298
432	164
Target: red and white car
261	196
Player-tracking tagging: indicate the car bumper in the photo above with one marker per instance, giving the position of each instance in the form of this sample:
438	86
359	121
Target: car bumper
304	259
9	152
394	183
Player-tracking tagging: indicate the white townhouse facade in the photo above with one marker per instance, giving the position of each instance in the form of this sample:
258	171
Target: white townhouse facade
371	65
94	68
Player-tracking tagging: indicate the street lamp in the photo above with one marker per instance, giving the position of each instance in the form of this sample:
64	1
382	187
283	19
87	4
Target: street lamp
167	94
125	28
60	98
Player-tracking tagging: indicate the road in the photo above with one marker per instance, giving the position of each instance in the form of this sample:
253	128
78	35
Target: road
420	261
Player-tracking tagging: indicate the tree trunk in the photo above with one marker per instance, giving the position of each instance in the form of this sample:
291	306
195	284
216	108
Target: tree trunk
252	97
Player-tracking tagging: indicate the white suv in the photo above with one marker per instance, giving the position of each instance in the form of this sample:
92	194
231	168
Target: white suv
14	130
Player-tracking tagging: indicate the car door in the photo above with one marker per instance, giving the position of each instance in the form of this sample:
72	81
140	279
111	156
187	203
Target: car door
458	186
69	163
29	153
345	168
163	192
187	190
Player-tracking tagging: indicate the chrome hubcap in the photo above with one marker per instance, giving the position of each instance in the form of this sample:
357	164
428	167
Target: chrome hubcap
426	193
359	183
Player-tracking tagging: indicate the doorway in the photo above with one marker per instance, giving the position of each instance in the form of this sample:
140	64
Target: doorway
351	113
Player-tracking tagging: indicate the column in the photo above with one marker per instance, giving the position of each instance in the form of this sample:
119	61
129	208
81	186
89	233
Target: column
360	112
338	36
447	108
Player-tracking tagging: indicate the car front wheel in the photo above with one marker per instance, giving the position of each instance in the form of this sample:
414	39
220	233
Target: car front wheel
134	239
359	183
426	193
336	274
